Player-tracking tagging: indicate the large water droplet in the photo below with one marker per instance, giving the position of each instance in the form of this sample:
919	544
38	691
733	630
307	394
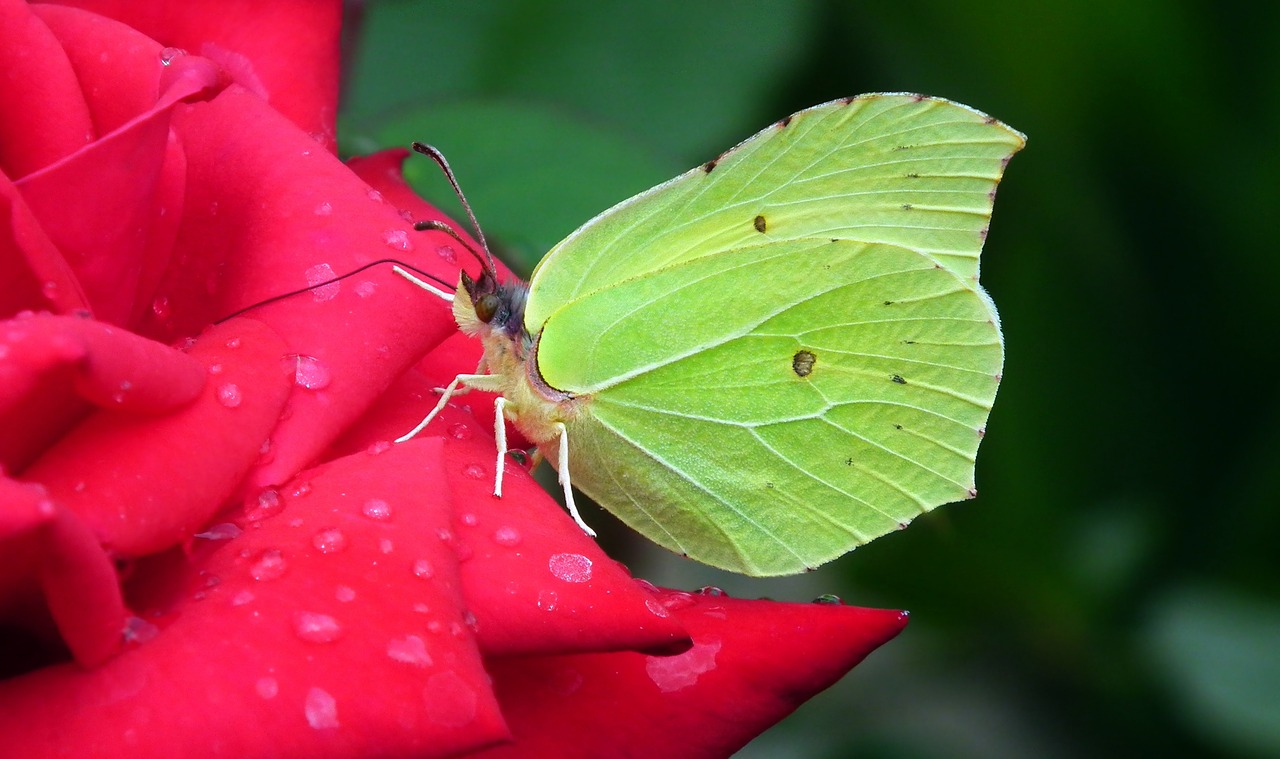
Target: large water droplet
510	537
673	673
309	372
223	531
329	541
676	601
447	253
269	566
377	509
375	196
570	567
829	599
321	710
229	395
397	239
316	628
320	279
422	569
171	54
409	650
657	609
711	590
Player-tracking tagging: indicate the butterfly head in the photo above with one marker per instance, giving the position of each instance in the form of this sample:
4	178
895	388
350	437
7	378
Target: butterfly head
492	307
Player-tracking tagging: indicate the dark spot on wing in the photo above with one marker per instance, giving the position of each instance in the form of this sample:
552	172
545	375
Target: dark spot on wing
990	120
897	426
709	166
903	147
913	175
888	303
802	363
898	378
848	462
906	206
848	100
917	98
784	122
759	224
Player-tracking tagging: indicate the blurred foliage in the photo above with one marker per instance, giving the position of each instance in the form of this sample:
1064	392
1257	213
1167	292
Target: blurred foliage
1113	590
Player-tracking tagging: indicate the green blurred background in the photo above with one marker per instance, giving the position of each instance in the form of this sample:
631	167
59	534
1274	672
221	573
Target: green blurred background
1113	590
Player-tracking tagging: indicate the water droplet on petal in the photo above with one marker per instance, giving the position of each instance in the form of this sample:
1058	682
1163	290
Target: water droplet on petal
829	599
469	519
570	567
316	628
397	239
223	531
329	541
379	446
301	489
233	343
422	569
344	593
321	710
267	504
139	630
678	600
459	431
170	54
510	538
447	253
269	566
386	546
242	598
215	369
366	288
673	673
377	509
376	196
409	650
320	278
229	395
711	590
324	209
656	608
160	307
450	700
474	471
309	372
548	600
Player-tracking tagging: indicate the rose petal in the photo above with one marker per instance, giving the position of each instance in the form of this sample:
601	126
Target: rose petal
98	204
279	643
45	114
535	581
33	273
752	663
144	483
287	51
42	542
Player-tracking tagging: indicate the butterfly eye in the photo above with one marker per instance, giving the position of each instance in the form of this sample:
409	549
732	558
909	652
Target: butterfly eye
486	306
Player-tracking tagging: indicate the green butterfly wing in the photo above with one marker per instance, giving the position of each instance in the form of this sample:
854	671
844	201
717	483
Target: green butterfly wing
903	169
787	355
838	390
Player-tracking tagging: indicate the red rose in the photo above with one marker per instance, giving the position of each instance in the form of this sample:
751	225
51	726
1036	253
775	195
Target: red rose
207	544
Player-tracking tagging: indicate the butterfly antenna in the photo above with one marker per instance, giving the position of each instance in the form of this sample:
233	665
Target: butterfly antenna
438	157
440	226
339	278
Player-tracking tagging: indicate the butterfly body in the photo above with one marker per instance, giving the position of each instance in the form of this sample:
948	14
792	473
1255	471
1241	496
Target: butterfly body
779	355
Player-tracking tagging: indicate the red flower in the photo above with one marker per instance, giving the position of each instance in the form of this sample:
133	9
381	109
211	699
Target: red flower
212	548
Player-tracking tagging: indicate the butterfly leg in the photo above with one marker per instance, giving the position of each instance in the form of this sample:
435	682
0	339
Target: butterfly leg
472	380
441	294
562	469
499	435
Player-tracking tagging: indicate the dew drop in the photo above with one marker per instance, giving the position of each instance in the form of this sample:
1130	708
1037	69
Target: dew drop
329	541
656	608
510	537
344	593
233	343
324	209
421	608
316	628
269	566
673	673
474	471
267	687
459	431
397	239
829	599
376	196
321	710
570	567
422	569
435	627
548	600
139	630
309	372
301	489
711	590
677	600
242	598
215	369
409	650
160	307
378	446
447	253
267	504
366	288
386	546
469	519
320	279
170	54
229	395
377	509
223	531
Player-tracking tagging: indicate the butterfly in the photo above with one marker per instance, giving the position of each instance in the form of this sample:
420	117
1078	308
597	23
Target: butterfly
776	356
